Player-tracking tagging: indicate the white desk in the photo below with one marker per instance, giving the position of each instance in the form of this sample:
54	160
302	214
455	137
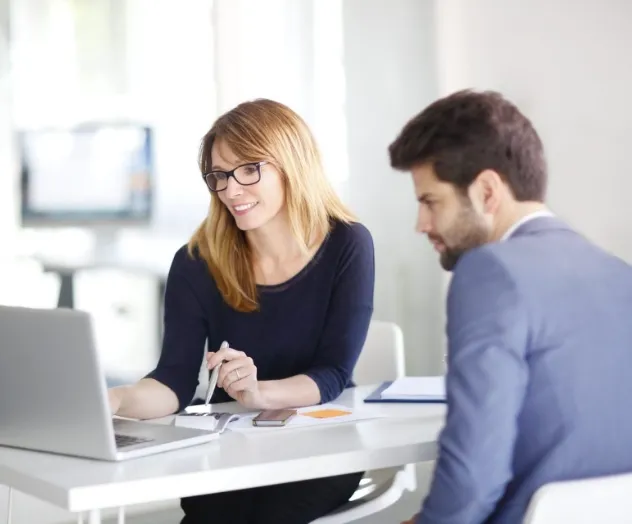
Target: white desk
234	461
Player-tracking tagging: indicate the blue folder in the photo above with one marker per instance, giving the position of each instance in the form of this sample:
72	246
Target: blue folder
376	396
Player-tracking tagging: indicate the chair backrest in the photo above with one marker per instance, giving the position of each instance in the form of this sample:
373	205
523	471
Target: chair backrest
587	501
382	356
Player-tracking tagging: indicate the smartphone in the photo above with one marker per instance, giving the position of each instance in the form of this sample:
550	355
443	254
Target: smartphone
273	417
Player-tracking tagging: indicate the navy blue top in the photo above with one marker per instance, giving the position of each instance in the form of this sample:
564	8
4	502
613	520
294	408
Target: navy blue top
313	324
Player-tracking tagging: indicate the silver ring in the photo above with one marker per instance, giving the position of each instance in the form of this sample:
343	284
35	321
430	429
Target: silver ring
237	373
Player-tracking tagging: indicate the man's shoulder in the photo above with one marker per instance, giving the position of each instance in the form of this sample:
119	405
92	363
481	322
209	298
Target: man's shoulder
488	258
532	253
531	267
521	253
483	273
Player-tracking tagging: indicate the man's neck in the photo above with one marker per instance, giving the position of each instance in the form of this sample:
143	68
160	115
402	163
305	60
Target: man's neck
515	214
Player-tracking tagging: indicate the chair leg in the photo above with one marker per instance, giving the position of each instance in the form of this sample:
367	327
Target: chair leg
94	517
9	505
121	515
80	518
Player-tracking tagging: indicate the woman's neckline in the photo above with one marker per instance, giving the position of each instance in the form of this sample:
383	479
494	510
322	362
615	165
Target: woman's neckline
302	272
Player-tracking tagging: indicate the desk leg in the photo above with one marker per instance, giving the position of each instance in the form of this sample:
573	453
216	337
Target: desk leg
95	516
121	515
9	504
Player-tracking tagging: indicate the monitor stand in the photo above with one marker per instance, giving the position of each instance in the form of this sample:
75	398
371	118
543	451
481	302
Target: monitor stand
106	245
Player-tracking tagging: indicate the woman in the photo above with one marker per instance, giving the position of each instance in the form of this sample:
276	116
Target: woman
280	270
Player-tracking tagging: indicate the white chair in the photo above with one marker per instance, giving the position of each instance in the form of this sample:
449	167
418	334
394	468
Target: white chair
24	283
382	358
587	501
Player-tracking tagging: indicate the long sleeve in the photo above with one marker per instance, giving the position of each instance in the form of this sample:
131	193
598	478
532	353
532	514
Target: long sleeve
486	382
185	333
348	317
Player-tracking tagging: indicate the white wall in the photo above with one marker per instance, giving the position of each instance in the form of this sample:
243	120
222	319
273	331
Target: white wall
390	68
8	178
567	64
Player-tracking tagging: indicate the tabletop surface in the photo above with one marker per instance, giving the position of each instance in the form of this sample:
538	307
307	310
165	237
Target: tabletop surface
404	433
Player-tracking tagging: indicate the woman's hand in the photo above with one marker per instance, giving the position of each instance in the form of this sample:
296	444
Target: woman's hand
115	398
237	376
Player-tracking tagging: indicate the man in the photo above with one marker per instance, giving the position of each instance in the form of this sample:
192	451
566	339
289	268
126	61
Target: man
539	330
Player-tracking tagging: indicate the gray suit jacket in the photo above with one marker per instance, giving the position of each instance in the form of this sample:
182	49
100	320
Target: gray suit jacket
539	373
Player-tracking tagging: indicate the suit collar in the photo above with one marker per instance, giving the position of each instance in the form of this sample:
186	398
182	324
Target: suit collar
541	224
514	227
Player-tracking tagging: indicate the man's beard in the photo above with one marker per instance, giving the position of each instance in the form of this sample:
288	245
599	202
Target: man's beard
469	231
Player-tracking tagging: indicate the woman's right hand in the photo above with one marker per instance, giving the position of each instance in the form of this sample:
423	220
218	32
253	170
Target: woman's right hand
237	376
146	399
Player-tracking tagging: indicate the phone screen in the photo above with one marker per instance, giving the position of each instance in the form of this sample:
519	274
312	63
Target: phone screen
274	417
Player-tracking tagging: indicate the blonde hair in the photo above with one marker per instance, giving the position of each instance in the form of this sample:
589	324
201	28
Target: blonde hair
255	131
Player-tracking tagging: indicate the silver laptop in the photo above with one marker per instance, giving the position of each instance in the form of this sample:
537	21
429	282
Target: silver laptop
53	395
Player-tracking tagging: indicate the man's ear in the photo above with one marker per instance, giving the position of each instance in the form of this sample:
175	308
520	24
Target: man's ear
486	191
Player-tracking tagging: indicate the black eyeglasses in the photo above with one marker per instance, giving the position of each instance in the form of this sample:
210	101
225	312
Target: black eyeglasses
245	175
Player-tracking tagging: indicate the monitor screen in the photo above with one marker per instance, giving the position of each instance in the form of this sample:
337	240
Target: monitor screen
88	175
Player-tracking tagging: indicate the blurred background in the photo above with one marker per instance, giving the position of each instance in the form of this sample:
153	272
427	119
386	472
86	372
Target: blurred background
103	104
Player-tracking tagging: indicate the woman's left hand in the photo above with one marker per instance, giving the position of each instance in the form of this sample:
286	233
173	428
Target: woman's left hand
237	376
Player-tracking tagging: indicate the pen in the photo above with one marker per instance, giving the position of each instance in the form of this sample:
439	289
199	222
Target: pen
213	380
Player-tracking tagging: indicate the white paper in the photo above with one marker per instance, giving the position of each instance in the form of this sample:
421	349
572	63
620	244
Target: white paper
205	423
208	423
416	388
197	409
244	424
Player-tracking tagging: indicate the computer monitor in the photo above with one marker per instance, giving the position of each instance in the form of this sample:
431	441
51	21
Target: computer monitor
90	176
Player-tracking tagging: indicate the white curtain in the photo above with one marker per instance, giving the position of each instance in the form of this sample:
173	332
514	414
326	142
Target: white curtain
8	171
176	66
146	61
290	51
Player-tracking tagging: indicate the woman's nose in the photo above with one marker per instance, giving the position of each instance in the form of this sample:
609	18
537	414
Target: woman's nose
233	188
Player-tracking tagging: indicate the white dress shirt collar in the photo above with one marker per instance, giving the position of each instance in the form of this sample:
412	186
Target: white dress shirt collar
524	220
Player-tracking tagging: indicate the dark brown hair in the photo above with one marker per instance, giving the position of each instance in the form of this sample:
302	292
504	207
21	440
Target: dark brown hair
468	132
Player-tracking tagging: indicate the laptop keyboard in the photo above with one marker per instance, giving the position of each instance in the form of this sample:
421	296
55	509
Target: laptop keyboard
127	440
